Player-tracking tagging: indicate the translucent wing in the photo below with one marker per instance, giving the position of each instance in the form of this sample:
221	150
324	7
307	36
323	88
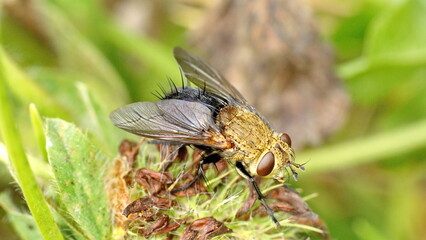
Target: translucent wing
170	120
203	76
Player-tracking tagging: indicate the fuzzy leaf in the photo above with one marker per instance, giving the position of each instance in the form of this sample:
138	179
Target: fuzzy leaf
78	168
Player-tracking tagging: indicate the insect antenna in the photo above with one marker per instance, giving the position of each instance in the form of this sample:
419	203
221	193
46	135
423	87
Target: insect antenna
299	166
295	174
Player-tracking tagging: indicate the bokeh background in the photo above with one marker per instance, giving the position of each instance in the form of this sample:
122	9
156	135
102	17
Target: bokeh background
346	79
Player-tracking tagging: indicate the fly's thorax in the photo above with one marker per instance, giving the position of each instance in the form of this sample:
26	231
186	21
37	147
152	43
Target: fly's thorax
247	132
264	152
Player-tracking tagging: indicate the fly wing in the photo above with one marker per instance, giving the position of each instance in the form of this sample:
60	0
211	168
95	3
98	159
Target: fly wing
205	77
170	120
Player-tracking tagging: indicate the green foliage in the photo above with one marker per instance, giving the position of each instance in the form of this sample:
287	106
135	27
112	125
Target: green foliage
78	169
20	165
37	125
367	149
23	223
78	54
16	78
391	67
397	37
85	64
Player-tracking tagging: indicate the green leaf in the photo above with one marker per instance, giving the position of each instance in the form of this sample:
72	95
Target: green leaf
15	79
98	121
62	85
23	46
23	224
79	54
395	39
79	169
37	125
39	167
399	35
375	83
395	53
154	59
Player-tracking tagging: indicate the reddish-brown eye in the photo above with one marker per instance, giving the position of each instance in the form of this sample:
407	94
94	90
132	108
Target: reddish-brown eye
266	165
286	138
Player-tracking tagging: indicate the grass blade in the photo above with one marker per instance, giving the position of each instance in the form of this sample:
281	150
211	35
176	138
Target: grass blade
26	179
15	79
23	224
37	125
348	154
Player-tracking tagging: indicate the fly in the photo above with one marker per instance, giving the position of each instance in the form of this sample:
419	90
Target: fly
215	118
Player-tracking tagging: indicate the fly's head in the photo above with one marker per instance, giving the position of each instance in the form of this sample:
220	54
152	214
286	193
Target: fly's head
275	158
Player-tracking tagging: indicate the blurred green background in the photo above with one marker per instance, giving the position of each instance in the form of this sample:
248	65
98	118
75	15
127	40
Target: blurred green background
80	57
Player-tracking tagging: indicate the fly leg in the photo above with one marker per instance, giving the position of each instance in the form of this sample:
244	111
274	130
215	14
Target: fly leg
212	158
260	196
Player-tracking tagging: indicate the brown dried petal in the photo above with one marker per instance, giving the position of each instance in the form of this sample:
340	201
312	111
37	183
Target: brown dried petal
129	150
276	207
155	182
204	228
144	207
293	201
162	225
159	224
170	153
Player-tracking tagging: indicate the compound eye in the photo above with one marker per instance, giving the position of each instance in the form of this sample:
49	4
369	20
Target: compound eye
266	164
286	138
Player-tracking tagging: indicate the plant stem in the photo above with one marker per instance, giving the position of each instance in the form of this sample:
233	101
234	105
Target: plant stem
365	150
31	191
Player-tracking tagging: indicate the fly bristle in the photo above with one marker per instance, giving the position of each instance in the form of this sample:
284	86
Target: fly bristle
182	80
163	89
204	88
199	93
157	94
172	85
